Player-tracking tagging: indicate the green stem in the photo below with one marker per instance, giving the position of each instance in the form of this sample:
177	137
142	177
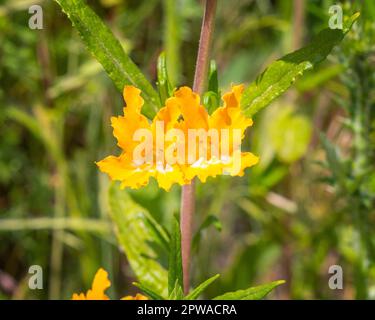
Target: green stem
188	191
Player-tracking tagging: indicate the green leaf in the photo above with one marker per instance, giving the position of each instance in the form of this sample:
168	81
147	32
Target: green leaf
164	85
148	291
281	74
103	45
213	82
175	275
194	294
136	238
211	99
254	293
159	233
177	292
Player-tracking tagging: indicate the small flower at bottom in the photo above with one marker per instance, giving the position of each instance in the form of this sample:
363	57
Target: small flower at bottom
182	142
100	284
137	297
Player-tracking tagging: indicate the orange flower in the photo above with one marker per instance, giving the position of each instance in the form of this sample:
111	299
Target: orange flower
182	142
137	297
100	284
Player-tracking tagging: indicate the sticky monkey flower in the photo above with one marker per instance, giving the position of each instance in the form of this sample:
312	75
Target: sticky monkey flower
100	284
182	142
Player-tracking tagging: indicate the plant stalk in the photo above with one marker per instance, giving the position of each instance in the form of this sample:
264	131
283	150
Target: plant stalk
188	191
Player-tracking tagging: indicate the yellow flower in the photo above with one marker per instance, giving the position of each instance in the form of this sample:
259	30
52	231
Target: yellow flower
137	297
183	141
100	284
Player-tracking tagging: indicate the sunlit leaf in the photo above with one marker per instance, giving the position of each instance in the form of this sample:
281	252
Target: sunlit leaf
149	292
194	294
136	238
281	74
103	45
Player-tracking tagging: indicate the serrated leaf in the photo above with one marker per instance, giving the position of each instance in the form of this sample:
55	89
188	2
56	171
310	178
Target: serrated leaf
254	293
194	294
135	237
103	45
281	74
175	275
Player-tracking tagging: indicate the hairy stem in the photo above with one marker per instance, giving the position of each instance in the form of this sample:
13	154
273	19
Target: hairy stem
188	194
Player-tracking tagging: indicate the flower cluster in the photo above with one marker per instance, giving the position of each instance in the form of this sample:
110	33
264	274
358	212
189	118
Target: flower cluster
170	152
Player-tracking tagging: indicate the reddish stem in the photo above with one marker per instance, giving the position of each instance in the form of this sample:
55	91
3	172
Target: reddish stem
188	191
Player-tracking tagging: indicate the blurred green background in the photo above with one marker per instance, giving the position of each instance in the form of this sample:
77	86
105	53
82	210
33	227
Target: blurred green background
308	205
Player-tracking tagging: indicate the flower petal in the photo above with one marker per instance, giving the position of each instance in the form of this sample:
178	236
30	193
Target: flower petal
230	115
121	169
99	285
194	115
125	126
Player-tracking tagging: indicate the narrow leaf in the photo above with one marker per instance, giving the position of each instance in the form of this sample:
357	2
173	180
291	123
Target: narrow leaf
103	45
148	291
175	258
281	74
254	293
198	290
177	292
164	85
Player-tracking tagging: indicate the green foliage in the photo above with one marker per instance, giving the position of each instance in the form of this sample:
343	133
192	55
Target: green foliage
136	239
175	278
254	293
108	51
289	133
194	294
54	124
280	75
164	85
211	99
149	292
